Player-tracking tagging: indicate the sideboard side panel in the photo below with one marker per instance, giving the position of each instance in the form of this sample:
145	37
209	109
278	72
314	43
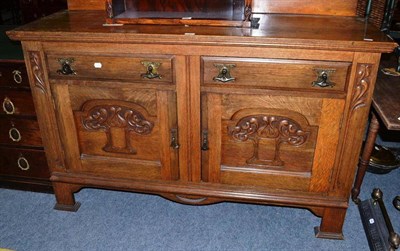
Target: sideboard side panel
361	88
42	97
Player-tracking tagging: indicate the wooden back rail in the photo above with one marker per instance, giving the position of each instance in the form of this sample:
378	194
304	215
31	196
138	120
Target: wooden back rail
315	7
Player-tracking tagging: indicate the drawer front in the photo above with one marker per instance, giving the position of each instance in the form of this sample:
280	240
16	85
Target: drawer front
123	68
16	102
21	132
23	163
13	75
275	73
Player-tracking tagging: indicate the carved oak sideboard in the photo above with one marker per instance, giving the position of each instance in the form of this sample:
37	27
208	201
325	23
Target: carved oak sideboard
199	114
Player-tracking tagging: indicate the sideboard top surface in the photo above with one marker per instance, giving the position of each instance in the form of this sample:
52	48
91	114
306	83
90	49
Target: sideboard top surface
278	30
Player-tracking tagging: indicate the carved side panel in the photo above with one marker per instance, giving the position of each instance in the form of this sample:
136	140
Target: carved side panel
278	128
362	81
44	105
116	119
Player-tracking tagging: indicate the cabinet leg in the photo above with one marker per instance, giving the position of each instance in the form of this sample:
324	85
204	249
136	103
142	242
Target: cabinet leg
65	197
365	157
331	224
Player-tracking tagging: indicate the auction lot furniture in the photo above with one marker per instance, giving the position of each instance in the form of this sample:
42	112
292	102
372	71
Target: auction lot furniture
202	113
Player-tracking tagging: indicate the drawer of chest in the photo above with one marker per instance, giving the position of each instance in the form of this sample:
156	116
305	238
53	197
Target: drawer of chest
123	68
275	73
16	102
23	163
13	75
19	131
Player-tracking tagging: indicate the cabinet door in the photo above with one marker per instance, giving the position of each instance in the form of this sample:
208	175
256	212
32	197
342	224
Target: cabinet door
276	142
118	130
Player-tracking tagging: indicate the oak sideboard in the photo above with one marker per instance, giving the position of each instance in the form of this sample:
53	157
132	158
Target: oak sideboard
199	114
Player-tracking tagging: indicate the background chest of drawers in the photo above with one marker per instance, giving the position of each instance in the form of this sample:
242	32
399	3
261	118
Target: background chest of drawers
22	159
35	9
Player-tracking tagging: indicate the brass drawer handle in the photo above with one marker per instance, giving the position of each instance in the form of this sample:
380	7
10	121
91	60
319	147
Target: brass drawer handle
323	78
23	164
66	68
14	134
8	106
17	75
224	74
151	70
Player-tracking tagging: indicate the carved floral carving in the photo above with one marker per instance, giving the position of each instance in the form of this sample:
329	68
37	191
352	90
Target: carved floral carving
107	117
37	71
363	82
278	128
109	9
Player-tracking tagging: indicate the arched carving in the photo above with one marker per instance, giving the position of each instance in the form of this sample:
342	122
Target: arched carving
279	128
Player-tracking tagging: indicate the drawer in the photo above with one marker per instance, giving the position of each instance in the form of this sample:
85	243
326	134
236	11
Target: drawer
275	73
123	68
23	163
16	102
21	132
13	75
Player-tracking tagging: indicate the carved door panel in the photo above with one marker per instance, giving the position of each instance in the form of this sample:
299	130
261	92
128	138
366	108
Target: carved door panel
278	142
119	132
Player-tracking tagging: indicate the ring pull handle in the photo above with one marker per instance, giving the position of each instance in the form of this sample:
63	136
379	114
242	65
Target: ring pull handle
8	106
224	73
66	68
323	78
23	163
17	75
14	134
151	70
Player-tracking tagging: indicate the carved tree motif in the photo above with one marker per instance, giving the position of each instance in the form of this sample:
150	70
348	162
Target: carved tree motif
110	117
37	70
278	128
363	82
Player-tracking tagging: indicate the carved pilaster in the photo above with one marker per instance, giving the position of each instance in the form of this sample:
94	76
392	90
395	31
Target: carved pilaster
37	70
363	83
109	9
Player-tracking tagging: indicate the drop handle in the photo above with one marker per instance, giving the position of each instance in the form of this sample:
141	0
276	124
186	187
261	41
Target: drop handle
204	144
174	139
224	73
323	78
151	70
66	68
